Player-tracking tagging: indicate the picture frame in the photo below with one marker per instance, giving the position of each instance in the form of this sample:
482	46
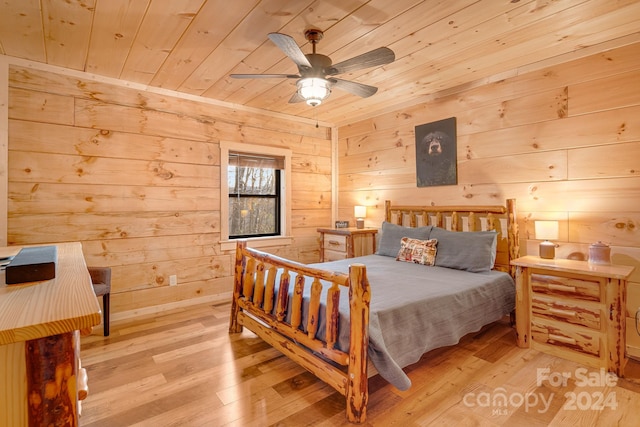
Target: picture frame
436	153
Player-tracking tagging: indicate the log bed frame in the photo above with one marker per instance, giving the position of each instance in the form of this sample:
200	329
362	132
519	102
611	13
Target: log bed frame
253	299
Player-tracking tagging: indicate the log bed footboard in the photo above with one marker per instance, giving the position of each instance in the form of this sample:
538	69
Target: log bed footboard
255	307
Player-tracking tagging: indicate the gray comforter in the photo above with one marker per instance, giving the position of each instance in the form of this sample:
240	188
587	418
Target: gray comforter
415	309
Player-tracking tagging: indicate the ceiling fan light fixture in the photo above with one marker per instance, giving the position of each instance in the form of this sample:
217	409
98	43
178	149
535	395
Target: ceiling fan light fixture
313	90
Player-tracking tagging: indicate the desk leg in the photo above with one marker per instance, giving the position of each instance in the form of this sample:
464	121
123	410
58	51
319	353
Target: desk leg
51	380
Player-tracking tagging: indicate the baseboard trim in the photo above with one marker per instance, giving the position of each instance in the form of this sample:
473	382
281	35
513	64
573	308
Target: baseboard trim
155	309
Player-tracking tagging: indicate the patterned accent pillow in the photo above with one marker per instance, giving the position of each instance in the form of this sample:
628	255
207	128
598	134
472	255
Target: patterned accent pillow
390	236
417	251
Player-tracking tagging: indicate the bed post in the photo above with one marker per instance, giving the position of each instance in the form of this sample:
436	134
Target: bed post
513	235
387	210
234	326
357	393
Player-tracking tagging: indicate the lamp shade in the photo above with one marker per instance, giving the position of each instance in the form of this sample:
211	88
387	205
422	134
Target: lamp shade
360	211
313	89
546	230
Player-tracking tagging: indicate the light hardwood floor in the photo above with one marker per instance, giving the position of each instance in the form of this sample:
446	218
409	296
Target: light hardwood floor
182	368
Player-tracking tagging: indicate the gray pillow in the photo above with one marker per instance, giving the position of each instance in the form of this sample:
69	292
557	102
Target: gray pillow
391	235
473	251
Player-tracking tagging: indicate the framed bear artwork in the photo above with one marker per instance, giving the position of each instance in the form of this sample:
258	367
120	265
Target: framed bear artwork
436	150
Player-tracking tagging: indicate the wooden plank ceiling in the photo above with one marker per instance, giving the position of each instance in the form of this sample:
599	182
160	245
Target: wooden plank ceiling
192	46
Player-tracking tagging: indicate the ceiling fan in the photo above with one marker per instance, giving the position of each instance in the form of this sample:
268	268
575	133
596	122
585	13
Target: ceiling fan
315	78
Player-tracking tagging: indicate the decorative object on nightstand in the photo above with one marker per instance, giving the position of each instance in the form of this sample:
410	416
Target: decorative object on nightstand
547	230
341	243
360	213
573	309
599	253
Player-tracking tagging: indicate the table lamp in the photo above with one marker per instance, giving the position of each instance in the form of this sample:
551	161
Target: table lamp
360	213
547	230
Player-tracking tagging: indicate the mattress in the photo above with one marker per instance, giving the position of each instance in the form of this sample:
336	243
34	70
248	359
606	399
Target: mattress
416	308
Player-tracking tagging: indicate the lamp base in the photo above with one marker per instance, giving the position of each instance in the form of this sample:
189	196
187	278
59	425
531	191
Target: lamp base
547	250
359	223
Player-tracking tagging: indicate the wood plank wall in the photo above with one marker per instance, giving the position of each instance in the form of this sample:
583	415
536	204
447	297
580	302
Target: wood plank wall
135	177
563	140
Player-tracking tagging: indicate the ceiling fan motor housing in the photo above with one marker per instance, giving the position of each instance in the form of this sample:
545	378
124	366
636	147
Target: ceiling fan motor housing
319	65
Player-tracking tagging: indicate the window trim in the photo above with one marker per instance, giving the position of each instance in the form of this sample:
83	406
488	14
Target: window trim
285	191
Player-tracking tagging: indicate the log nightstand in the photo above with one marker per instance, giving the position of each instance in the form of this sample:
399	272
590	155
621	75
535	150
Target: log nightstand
573	309
341	243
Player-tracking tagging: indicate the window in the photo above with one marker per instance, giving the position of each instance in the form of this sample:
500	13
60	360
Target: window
255	193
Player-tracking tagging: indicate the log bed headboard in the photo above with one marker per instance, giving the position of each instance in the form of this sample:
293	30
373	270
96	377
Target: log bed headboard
466	218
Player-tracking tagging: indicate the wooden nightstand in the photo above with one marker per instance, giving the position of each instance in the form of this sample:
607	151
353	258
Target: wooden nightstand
341	243
572	309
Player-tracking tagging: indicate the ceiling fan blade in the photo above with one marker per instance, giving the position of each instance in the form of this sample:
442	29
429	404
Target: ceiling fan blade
264	76
379	56
288	45
295	98
355	88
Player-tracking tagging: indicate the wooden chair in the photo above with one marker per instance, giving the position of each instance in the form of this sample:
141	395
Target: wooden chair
101	280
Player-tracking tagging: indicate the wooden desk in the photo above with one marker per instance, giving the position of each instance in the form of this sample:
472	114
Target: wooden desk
39	324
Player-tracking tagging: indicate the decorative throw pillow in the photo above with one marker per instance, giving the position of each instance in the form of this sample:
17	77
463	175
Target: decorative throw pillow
417	251
390	236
